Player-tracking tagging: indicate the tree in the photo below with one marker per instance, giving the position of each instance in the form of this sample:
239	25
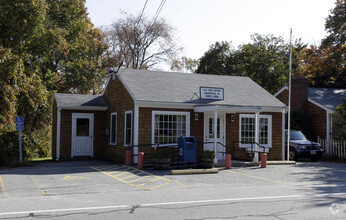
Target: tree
324	65
45	46
264	60
184	64
339	121
140	43
215	60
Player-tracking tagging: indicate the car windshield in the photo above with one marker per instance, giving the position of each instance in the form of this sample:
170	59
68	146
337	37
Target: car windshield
296	135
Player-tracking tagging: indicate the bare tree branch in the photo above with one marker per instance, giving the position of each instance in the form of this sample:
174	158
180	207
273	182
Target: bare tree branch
140	43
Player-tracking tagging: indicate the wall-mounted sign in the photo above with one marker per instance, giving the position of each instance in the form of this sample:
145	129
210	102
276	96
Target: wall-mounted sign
211	93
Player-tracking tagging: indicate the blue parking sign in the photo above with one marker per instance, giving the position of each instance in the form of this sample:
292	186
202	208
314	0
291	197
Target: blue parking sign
19	123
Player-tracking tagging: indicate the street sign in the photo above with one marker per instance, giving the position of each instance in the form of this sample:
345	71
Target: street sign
19	123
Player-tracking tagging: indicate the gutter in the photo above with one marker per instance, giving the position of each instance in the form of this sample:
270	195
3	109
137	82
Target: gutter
90	108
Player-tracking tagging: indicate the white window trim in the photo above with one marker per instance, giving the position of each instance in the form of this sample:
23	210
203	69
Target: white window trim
187	114
111	129
128	112
269	117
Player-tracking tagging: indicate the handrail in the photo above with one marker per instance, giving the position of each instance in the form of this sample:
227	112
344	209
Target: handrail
252	148
219	143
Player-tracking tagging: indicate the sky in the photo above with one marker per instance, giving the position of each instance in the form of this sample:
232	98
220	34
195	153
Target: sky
200	23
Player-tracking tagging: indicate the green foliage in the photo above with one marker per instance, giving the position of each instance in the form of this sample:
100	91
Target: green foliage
339	121
264	60
207	154
9	152
324	65
160	153
215	60
45	47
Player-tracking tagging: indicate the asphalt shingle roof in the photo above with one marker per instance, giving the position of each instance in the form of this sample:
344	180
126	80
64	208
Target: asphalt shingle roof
78	100
172	87
328	97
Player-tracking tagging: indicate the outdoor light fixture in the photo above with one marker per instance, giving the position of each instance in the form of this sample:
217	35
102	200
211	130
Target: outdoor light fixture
196	116
232	118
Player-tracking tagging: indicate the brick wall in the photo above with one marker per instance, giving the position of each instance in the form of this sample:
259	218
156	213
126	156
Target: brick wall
300	90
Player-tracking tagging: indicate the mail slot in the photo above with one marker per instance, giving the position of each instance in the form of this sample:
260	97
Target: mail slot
187	149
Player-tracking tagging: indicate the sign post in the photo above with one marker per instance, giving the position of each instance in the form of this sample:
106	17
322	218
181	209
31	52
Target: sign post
20	128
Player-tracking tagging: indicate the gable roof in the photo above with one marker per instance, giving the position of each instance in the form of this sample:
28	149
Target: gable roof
172	87
328	97
79	101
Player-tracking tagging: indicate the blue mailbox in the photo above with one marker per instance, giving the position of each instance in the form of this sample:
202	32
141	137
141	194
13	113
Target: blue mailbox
187	149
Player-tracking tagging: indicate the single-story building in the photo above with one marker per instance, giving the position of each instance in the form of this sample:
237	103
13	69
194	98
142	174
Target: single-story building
141	107
320	103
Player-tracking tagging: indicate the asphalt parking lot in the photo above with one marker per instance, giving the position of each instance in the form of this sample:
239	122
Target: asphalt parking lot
72	186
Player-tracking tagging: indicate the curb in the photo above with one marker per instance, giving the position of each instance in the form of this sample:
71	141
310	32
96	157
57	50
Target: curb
194	171
281	162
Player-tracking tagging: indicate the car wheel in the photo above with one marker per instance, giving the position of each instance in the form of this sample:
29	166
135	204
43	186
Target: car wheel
293	155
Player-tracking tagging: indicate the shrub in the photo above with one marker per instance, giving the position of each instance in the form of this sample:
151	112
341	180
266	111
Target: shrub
207	154
161	153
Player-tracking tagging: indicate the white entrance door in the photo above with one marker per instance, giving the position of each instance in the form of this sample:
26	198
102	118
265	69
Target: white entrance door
209	134
82	134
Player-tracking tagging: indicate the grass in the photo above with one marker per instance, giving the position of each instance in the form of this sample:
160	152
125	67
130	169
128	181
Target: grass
26	163
41	159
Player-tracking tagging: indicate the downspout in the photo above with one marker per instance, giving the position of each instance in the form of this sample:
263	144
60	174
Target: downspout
58	134
215	136
283	135
328	126
135	135
256	157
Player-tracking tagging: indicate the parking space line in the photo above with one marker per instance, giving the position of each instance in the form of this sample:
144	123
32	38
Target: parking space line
128	177
140	174
143	177
38	187
121	174
151	181
116	169
158	186
104	172
256	177
3	190
182	185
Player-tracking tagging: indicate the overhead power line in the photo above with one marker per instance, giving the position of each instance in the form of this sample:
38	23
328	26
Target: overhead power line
158	11
142	11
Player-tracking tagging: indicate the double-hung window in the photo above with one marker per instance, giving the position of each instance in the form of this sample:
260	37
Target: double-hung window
113	129
247	130
167	127
128	128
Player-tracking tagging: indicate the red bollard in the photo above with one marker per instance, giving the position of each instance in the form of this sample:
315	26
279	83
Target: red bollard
128	158
228	161
264	160
140	160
